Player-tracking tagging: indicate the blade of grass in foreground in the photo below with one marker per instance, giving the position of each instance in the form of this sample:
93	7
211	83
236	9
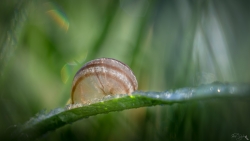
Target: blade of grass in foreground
44	122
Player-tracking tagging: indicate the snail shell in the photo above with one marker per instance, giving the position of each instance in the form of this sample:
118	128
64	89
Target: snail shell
100	77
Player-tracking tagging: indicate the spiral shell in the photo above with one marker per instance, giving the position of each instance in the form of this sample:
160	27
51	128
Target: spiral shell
101	77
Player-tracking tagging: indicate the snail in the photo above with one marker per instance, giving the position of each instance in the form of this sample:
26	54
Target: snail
101	77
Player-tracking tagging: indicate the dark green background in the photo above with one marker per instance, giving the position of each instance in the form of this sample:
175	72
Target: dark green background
168	44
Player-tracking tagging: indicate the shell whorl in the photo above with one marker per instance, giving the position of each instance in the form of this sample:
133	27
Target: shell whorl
101	77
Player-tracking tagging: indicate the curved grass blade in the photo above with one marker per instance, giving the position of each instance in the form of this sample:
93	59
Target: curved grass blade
44	122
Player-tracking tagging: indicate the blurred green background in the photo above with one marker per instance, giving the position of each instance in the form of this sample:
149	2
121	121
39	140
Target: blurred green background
168	44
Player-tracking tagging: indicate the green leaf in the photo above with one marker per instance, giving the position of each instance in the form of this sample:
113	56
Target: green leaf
44	122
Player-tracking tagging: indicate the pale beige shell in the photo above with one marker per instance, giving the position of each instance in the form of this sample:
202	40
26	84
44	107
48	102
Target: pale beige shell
100	77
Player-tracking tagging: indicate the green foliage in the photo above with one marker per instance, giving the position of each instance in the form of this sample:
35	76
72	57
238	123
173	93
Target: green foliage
170	44
44	122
